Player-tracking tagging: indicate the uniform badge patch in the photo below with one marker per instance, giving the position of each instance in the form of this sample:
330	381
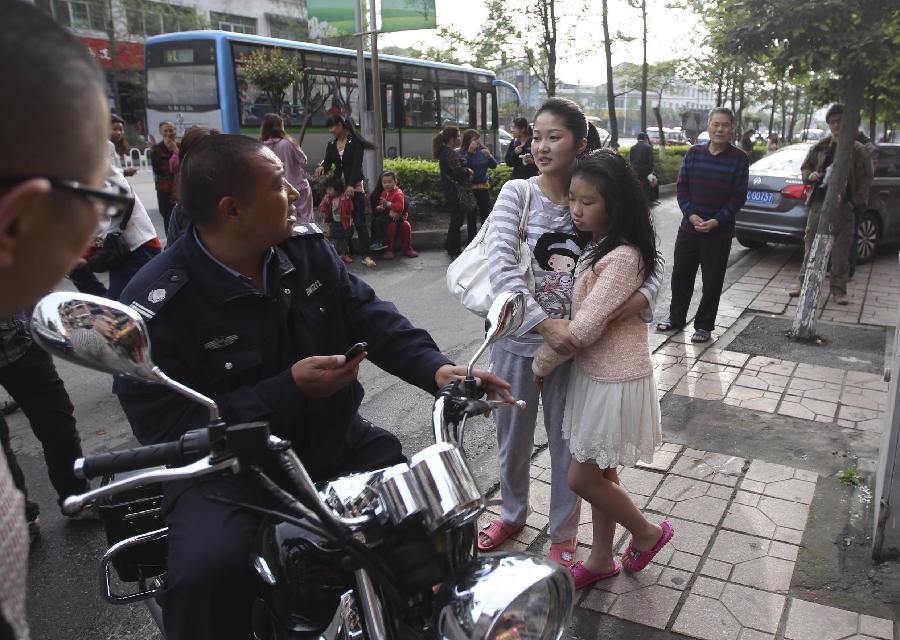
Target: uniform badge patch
157	295
311	289
220	342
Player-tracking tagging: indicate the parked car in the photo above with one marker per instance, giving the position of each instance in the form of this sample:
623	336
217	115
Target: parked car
809	135
776	210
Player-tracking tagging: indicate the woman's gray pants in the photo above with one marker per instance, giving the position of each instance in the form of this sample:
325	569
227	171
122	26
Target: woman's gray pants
515	435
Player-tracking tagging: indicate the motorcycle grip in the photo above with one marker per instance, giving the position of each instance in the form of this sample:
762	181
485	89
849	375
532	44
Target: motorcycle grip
190	447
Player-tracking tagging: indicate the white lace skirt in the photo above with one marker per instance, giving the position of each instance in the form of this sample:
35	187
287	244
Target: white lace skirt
611	423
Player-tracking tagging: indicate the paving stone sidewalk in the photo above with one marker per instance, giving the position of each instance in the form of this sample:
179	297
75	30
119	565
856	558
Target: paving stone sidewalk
740	521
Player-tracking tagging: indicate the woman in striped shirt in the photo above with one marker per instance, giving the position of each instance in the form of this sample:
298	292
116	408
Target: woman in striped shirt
560	135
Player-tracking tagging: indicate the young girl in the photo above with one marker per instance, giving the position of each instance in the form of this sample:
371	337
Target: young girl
560	134
337	209
612	411
391	206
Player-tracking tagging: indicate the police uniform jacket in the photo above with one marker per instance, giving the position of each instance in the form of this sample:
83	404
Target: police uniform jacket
217	333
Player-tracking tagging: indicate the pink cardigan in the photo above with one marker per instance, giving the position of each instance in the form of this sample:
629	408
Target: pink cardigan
615	351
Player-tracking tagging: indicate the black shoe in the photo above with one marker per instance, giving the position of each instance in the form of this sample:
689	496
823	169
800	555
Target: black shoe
8	407
34	530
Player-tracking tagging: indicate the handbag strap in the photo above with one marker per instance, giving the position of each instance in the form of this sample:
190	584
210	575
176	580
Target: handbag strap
127	217
523	219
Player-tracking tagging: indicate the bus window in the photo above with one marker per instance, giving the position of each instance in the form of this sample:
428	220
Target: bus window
489	110
253	103
182	85
419	106
479	109
387	107
332	87
454	106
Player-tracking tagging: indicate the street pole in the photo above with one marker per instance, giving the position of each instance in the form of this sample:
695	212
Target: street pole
377	133
362	106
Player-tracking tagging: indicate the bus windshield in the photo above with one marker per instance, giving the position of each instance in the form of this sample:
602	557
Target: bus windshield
187	87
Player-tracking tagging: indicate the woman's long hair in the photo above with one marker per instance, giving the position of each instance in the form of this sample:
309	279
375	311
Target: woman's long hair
347	123
272	126
522	125
467	137
444	137
627	211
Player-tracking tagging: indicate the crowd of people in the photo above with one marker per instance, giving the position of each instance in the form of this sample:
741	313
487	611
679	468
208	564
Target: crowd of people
245	258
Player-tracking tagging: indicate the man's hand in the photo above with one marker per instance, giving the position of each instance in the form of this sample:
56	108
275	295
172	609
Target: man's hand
701	225
813	177
557	334
633	306
323	376
539	382
494	385
319	171
349	191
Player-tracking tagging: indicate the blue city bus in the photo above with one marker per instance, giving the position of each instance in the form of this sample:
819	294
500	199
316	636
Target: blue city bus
195	78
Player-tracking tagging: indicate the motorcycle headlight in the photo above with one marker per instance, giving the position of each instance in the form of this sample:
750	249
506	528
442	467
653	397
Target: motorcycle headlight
505	597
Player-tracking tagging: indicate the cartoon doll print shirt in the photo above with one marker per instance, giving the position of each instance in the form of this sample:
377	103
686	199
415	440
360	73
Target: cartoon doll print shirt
556	254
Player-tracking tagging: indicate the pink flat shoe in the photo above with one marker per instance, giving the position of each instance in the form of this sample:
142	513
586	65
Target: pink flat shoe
634	560
583	577
563	552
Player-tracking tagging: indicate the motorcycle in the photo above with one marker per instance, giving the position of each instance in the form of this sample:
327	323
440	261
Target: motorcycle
386	554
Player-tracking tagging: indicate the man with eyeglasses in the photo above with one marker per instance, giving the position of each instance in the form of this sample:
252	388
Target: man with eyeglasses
49	206
816	170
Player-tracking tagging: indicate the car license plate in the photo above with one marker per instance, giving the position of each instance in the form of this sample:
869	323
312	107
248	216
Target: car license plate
761	197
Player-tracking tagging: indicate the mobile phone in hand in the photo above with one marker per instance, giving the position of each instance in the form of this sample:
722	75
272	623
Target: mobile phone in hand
355	350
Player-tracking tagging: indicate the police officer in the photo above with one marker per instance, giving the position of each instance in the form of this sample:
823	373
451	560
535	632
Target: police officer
246	307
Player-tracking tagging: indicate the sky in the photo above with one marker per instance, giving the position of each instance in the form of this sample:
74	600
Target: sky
671	33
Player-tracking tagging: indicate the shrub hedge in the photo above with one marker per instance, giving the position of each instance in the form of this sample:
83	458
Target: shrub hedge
423	176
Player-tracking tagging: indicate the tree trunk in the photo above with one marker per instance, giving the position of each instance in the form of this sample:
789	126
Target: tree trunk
113	55
804	327
774	106
873	114
740	112
551	50
610	91
734	82
719	86
644	70
783	94
794	106
662	142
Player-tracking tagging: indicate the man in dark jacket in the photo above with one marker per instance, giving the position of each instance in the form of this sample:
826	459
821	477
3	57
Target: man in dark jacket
816	170
641	159
248	308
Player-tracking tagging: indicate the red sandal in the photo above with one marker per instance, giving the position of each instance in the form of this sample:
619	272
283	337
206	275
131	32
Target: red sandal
496	532
563	552
633	560
583	577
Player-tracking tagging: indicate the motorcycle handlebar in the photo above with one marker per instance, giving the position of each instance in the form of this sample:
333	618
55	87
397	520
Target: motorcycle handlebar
190	447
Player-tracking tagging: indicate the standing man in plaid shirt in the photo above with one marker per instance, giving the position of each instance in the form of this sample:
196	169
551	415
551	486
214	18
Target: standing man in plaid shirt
47	215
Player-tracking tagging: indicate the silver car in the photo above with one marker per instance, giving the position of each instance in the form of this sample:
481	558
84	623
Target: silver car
775	210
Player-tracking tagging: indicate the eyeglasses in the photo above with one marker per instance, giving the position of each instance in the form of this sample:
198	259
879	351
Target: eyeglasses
108	201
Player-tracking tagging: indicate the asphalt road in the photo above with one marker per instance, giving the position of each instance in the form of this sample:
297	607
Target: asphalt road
64	596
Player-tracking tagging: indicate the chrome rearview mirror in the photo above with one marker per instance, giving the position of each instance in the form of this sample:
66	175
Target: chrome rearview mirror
504	318
104	335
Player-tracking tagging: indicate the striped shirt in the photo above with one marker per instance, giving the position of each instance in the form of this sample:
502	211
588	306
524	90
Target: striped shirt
712	186
553	279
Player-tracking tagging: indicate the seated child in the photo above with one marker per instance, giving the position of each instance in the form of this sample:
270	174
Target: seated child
392	207
337	210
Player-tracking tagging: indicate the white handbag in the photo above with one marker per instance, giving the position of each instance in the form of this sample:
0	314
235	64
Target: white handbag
468	277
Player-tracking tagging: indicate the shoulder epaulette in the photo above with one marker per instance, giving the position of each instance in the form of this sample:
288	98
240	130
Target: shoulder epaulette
159	293
307	229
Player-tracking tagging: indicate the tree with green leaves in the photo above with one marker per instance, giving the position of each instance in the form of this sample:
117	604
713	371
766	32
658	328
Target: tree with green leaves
847	40
272	72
